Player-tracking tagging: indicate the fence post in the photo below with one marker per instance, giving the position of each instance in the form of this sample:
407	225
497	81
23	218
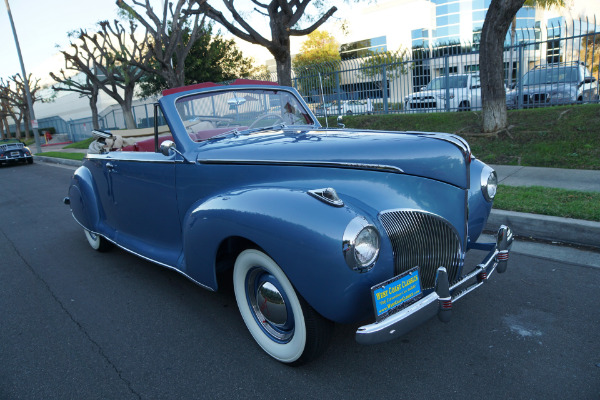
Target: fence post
338	92
385	89
520	78
447	72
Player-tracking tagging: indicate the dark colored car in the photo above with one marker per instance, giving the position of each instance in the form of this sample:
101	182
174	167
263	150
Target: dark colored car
554	84
319	226
13	151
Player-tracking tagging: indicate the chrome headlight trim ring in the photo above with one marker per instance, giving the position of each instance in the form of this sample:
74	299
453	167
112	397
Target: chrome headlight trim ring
489	183
361	245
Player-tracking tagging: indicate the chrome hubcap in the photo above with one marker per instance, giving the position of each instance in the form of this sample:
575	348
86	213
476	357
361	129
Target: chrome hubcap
269	305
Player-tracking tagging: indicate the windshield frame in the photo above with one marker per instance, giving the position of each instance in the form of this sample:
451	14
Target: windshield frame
282	107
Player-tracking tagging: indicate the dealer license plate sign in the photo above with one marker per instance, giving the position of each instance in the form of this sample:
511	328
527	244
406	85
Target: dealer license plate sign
397	293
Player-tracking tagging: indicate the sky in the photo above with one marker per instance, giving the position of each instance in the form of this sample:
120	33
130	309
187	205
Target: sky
43	24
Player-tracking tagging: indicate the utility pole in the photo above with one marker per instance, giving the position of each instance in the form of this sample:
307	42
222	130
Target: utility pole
26	83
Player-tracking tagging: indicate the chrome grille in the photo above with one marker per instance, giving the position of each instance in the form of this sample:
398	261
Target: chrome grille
424	240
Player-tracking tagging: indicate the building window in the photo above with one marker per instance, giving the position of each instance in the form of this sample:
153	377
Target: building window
363	48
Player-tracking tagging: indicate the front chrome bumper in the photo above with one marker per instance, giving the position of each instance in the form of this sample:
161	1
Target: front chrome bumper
439	302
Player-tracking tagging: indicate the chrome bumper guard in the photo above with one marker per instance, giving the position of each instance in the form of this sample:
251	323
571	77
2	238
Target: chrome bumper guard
440	300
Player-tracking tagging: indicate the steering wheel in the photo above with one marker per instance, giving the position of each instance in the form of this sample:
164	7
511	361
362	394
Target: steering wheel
265	116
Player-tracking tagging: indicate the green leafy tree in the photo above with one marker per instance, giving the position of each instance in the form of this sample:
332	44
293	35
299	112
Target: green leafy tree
498	19
590	51
319	47
319	54
394	63
211	59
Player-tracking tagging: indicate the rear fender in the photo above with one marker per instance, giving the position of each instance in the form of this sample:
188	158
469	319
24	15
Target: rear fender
84	202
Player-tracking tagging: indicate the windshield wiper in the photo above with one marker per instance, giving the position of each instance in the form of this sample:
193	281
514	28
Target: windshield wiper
233	131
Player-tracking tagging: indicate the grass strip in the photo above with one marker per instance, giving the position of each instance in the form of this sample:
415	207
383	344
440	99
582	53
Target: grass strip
549	201
84	144
62	154
558	137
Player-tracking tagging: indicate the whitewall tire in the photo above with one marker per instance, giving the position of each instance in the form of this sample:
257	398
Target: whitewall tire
97	242
281	322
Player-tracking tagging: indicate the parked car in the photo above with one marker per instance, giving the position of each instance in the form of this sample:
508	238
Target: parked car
319	226
554	84
457	92
329	108
13	150
350	107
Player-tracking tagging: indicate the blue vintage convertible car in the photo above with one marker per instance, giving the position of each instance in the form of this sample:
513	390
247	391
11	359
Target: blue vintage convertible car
320	226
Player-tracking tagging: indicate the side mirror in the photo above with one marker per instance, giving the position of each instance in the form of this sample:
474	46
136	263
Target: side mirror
166	146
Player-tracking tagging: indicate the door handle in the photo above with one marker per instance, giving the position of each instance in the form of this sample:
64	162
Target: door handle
110	166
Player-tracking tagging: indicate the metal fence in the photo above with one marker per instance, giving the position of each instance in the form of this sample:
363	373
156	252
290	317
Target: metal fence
555	65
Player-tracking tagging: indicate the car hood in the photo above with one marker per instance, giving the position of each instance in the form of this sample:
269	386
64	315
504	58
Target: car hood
436	156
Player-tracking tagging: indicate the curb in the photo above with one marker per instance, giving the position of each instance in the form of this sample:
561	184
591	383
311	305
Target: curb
56	160
558	229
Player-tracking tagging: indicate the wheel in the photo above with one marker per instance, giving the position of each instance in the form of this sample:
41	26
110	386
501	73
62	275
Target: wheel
30	161
97	242
279	319
464	106
349	112
265	116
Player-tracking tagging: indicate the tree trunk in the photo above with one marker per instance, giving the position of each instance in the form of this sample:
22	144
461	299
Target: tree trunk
126	107
94	108
27	122
17	127
2	135
284	68
491	61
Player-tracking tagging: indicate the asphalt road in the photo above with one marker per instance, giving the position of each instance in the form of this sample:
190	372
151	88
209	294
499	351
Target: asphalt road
77	324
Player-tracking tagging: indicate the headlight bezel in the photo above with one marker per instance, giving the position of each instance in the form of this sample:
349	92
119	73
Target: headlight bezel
357	234
489	183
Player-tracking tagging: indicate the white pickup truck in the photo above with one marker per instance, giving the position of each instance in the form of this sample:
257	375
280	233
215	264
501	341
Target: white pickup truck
457	92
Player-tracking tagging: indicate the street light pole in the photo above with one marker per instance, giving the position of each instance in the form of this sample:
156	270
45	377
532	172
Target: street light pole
25	82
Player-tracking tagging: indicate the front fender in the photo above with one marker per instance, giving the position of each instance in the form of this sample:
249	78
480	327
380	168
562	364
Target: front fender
479	207
84	202
302	234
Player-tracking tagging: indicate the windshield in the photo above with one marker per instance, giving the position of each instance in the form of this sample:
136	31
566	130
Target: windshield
544	76
454	82
212	114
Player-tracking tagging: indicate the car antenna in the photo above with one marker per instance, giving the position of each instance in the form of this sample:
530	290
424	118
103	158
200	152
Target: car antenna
323	101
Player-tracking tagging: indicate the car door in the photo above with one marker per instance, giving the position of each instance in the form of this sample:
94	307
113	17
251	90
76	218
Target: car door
140	204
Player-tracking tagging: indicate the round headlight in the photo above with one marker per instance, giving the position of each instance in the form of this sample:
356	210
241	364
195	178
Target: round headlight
489	183
360	245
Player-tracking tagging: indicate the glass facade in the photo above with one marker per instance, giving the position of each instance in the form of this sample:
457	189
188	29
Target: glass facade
420	38
451	15
363	48
448	21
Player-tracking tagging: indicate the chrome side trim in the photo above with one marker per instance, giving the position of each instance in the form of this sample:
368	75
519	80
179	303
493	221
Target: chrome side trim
146	258
328	164
103	157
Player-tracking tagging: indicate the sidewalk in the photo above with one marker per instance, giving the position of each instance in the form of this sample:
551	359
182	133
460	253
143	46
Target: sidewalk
571	179
556	229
